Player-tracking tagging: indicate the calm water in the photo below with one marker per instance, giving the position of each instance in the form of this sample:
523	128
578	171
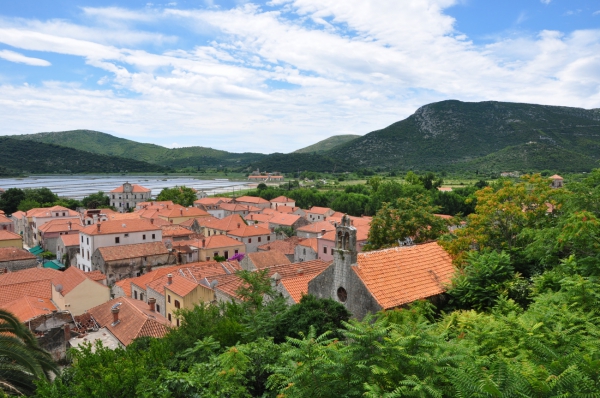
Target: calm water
77	187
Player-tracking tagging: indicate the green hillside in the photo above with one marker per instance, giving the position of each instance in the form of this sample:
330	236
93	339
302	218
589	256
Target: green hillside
328	143
18	156
532	156
106	144
444	133
293	162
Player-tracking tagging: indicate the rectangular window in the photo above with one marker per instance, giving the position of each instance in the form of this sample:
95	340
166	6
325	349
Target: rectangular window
168	298
87	240
325	249
226	254
117	240
236	251
268	238
332	251
127	235
169	315
249	240
215	254
153	236
259	238
82	239
143	237
207	258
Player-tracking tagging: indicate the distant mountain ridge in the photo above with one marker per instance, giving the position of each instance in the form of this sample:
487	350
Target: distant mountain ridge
25	157
447	135
106	144
328	143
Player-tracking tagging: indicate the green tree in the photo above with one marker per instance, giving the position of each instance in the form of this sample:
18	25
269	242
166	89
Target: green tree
405	218
44	196
28	204
22	361
96	200
10	199
183	196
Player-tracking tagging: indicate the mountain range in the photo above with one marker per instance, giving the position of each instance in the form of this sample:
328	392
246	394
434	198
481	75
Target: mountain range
452	135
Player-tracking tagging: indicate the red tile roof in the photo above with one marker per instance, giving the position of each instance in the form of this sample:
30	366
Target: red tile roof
117	227
402	275
70	240
556	177
228	223
212	201
262	260
202	221
174	231
259	217
251	199
135	319
47	211
282	199
4	219
8	235
181	286
97	276
297	286
287	209
35	282
135	189
318	210
210	242
284	219
70	279
285	246
317	227
28	307
180	211
113	253
313	243
249	230
14	254
144	279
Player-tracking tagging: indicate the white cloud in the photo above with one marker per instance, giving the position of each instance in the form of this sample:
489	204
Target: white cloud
22	59
277	80
546	1
596	13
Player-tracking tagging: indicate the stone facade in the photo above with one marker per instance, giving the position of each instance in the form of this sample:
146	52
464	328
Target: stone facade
128	267
339	282
304	253
17	265
160	300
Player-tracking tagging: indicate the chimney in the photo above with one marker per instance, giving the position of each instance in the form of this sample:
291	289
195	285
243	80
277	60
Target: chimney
152	221
169	279
239	225
152	304
115	312
98	226
203	242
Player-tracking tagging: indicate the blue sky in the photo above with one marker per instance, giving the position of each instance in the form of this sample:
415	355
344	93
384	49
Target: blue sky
282	74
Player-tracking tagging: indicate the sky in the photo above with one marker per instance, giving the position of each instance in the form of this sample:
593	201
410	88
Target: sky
278	75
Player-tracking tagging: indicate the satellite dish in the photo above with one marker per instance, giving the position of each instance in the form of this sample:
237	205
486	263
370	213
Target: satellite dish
58	288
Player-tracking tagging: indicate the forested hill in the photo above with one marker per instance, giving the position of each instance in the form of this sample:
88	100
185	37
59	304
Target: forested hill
106	144
451	132
327	144
18	156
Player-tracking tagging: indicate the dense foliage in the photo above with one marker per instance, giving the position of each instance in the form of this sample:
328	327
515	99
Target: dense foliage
37	157
183	195
26	199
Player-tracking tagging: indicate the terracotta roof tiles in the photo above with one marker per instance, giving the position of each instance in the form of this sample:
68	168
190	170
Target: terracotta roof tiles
28	307
402	275
284	219
117	227
181	286
282	199
9	235
285	246
318	210
135	319
113	253
317	227
135	189
262	260
313	243
251	199
70	240
14	254
249	230
297	286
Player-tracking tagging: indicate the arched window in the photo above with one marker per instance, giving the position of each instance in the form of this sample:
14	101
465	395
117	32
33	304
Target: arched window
342	294
339	240
347	241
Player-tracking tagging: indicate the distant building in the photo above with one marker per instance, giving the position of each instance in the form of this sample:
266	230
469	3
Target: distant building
128	196
557	181
6	224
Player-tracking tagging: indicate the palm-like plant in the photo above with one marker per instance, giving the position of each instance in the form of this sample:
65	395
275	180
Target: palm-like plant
21	359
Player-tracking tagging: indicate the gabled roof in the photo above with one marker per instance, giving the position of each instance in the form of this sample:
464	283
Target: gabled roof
61	225
18	214
117	227
285	246
251	199
202	221
259	217
317	227
172	231
181	286
262	260
9	235
135	319
228	223
135	189
318	210
144	279
237	207
313	243
249	230
282	199
401	275
180	211
287	209
212	201
96	275
297	286
284	219
47	212
70	240
4	219
556	177
14	254
28	307
35	282
122	216
211	242
70	279
113	253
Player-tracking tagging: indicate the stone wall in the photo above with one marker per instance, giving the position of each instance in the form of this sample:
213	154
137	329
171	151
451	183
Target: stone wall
17	265
304	253
128	268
